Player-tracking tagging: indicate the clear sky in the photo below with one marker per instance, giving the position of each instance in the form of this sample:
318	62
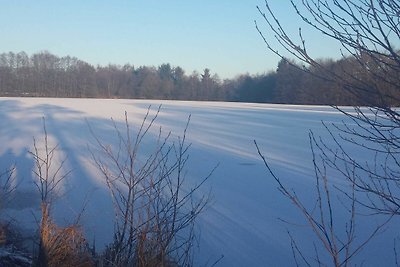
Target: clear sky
193	34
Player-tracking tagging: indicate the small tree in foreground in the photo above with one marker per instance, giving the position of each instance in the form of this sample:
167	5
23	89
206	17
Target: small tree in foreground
155	212
58	246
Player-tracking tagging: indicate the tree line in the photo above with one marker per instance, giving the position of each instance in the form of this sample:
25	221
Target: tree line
46	75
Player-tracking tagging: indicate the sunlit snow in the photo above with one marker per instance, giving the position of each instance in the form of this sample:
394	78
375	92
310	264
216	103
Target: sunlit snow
243	221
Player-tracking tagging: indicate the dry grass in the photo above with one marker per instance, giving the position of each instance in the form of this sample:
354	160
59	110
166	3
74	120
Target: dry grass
62	246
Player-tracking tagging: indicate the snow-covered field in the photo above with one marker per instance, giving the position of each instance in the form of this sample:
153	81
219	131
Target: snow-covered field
242	221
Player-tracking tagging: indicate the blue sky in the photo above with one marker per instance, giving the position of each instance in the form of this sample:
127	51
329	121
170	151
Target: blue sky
215	34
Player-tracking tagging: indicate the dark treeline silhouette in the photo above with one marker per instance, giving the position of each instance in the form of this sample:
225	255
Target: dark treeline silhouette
46	75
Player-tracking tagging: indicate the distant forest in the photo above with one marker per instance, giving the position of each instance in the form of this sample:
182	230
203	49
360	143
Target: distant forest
46	75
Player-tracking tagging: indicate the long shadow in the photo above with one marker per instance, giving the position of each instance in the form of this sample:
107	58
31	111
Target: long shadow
86	189
82	194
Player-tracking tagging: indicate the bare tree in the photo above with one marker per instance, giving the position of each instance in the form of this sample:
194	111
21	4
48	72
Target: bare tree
49	173
57	246
368	32
155	212
338	238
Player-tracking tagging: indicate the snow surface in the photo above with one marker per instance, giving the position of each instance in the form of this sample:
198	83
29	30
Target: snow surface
243	221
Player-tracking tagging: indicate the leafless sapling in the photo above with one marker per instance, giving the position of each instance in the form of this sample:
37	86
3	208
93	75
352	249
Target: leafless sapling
155	211
58	246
